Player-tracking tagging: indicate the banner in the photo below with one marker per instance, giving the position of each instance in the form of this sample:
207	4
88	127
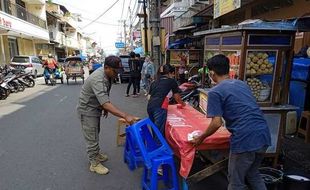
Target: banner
222	7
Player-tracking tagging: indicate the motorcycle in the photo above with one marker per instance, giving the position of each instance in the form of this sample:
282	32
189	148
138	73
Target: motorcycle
4	91
26	79
53	74
189	92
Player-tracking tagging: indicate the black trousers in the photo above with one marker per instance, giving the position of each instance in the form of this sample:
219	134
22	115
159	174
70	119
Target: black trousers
135	81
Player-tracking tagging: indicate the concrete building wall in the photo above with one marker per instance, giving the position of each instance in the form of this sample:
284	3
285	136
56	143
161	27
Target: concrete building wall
37	10
2	58
26	46
6	49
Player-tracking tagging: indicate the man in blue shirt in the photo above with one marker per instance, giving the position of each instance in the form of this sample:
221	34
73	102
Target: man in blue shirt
233	100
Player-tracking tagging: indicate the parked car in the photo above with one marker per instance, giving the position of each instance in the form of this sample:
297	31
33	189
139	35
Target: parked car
30	64
125	71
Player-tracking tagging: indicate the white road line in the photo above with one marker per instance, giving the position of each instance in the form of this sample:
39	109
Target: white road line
62	99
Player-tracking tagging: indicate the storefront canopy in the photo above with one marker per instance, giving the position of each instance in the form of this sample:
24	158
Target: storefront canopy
178	43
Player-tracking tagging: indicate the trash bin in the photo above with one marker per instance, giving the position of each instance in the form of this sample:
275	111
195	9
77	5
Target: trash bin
300	84
272	177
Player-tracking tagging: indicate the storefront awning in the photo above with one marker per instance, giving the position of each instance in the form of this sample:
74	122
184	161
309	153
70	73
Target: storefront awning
178	43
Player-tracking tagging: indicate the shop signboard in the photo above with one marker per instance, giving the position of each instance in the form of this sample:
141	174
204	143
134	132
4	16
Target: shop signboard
5	23
17	27
222	7
119	45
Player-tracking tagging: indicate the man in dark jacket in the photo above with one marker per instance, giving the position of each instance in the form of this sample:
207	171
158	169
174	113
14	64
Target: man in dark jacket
135	72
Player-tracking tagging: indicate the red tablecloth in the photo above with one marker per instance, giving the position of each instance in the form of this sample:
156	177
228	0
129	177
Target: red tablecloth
180	123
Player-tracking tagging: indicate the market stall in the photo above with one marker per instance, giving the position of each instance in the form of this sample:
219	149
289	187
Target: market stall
191	57
262	58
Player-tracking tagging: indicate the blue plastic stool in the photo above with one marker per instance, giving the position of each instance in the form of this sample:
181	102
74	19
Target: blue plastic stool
149	145
132	154
150	176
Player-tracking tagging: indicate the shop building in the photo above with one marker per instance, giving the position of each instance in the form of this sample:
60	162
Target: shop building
63	32
22	27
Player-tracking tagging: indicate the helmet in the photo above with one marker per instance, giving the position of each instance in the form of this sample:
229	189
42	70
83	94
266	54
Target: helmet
50	55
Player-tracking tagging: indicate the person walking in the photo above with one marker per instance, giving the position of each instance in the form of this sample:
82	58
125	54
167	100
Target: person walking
134	67
148	74
158	101
93	100
233	101
138	81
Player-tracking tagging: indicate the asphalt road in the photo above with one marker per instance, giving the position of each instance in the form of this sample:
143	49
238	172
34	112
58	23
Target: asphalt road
42	148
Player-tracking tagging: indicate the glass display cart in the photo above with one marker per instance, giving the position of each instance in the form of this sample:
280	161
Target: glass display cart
262	57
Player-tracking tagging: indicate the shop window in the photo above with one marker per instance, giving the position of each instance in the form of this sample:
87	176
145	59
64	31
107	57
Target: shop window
269	40
260	67
213	41
13	48
232	40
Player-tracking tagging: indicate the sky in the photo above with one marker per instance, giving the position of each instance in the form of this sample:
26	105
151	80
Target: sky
105	30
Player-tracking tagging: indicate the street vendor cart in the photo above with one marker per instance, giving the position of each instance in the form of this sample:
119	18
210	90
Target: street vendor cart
74	68
262	58
261	55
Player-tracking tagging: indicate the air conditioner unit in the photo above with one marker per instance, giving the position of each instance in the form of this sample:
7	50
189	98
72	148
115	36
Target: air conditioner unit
194	3
207	2
51	34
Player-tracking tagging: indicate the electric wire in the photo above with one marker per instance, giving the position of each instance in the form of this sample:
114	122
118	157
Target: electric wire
101	14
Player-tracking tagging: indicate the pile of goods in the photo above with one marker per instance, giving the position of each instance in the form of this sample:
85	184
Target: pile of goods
258	87
258	64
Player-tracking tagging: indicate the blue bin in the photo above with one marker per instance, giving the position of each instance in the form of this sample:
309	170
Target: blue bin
298	90
301	69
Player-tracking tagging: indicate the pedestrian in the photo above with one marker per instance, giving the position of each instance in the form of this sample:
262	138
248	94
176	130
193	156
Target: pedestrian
148	74
134	67
93	103
233	101
158	101
138	82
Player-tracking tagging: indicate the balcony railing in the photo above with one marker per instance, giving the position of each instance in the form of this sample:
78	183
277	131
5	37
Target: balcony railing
20	12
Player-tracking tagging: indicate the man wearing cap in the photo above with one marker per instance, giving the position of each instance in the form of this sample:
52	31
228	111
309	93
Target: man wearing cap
93	100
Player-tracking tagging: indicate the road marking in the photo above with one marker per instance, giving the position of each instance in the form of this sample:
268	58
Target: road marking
62	99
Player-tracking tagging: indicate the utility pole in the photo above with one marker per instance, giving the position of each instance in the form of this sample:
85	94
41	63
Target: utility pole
130	30
146	43
155	25
125	36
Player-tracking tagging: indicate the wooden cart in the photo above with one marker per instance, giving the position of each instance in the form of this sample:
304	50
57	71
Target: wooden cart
74	69
263	58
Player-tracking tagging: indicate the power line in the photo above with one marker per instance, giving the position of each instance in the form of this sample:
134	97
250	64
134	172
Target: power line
101	14
123	9
98	22
128	9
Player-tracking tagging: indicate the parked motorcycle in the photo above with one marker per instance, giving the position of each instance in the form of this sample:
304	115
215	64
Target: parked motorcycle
26	79
4	92
189	92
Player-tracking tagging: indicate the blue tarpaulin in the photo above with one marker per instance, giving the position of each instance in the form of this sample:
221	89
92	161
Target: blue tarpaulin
178	43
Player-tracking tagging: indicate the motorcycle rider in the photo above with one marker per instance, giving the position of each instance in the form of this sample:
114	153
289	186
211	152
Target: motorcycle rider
50	64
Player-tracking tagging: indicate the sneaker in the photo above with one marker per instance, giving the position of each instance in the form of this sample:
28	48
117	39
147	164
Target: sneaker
101	157
126	95
99	169
135	96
